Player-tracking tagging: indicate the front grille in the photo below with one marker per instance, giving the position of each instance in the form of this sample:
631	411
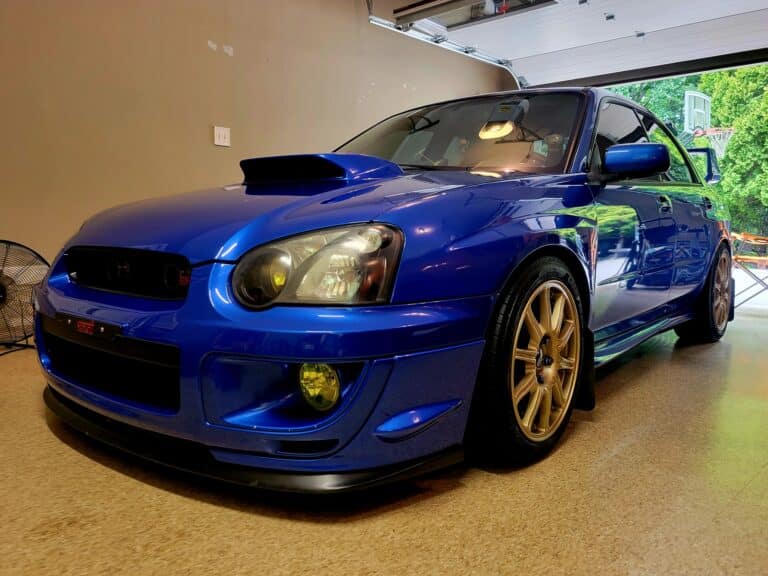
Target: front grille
143	273
135	370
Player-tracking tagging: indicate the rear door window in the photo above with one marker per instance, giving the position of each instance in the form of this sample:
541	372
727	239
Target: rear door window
678	167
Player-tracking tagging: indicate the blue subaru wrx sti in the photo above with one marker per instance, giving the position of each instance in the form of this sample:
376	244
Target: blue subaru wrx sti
448	279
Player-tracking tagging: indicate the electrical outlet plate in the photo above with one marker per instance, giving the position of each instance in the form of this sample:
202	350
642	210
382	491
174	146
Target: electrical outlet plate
221	136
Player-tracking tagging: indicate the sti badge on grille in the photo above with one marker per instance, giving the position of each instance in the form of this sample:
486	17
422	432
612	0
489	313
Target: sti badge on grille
85	327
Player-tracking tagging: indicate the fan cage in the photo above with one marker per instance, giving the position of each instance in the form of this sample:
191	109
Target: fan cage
21	269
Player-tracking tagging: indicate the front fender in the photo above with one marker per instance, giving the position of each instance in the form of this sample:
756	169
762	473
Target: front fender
483	263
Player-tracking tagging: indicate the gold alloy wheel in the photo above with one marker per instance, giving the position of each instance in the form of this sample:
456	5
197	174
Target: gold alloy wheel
721	300
544	367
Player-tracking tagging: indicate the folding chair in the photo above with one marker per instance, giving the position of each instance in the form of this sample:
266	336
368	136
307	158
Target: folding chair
750	249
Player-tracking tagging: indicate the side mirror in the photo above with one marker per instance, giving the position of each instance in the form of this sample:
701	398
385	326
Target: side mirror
635	161
705	161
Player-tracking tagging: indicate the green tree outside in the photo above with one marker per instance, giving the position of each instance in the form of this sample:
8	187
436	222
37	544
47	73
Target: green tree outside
733	92
664	98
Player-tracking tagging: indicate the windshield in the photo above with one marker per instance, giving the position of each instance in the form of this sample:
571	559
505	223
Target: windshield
507	133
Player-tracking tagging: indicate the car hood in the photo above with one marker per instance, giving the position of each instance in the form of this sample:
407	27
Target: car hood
223	223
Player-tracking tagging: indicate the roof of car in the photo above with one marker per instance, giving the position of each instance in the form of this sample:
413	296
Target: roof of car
598	94
597	91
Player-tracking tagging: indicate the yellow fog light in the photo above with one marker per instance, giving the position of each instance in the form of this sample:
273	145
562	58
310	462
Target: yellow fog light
319	385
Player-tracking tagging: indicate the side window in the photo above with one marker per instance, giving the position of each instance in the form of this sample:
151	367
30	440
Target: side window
616	124
678	169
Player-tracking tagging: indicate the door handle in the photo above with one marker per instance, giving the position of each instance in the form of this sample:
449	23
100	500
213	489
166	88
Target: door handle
707	203
664	204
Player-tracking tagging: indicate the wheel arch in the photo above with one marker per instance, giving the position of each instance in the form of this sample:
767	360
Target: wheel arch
580	269
584	399
569	257
722	240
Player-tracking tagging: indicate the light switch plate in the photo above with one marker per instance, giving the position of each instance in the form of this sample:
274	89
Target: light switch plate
221	136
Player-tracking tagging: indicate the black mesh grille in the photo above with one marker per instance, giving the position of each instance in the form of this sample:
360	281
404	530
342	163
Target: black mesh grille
104	367
137	272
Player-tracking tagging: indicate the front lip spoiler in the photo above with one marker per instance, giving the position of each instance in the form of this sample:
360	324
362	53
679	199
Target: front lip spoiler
194	458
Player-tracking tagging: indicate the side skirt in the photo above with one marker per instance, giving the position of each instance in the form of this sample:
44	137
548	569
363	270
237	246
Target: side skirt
608	349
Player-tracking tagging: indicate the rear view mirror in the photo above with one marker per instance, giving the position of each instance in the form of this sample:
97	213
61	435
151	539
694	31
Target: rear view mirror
635	161
705	161
504	119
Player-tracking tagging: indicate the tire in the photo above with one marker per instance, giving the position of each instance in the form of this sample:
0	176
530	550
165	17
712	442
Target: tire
713	306
531	368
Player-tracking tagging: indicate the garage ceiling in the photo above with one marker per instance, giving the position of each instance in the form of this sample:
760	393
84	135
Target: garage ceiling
603	41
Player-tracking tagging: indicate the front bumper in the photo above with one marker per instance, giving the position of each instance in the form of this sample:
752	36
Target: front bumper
407	399
196	459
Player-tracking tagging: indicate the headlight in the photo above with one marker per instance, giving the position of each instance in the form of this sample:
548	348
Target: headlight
348	265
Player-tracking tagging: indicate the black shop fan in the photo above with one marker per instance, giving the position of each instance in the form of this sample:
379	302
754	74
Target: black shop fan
20	270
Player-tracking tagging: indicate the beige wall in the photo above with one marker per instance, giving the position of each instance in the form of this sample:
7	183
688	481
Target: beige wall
108	101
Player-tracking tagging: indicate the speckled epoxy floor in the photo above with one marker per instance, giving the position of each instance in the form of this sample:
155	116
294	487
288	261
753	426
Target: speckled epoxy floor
669	475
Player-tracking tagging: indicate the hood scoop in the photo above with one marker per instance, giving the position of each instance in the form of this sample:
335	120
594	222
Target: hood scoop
322	171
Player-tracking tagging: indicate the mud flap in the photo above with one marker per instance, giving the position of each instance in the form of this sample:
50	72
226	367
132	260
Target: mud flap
732	311
586	397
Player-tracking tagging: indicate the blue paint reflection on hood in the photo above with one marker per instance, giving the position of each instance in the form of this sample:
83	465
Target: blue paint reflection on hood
223	223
